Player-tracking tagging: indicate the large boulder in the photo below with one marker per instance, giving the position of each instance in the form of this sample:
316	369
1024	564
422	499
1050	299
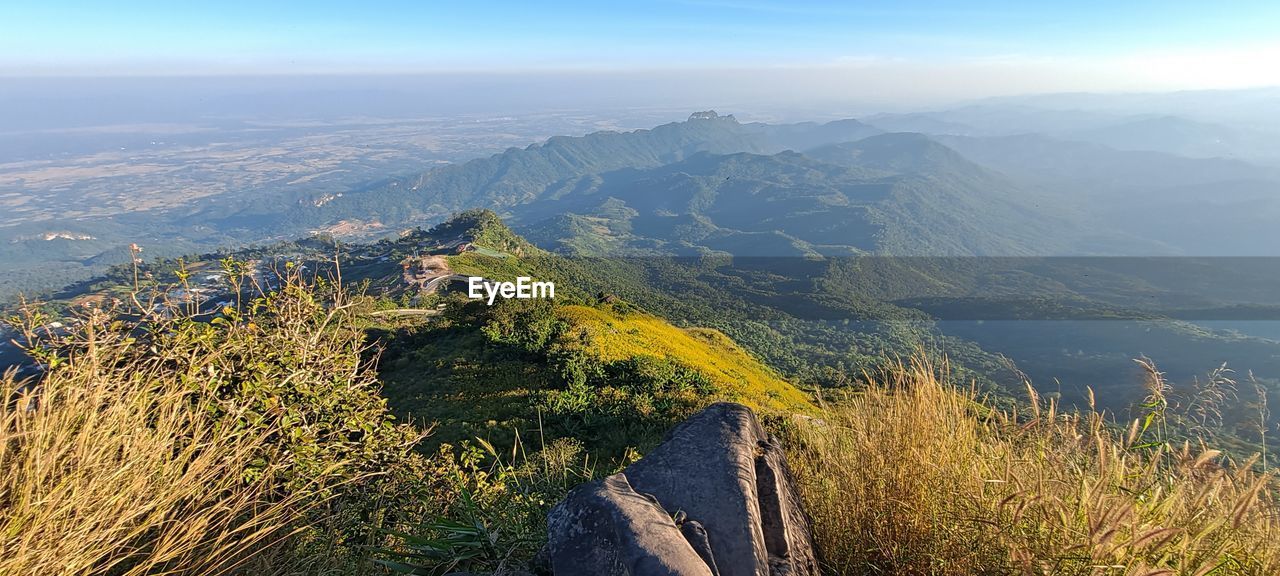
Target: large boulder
715	498
606	527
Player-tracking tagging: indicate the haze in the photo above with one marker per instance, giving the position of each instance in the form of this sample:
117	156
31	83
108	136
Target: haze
673	52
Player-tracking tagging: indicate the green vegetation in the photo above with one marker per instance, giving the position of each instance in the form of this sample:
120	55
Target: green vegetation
607	375
486	232
730	372
892	198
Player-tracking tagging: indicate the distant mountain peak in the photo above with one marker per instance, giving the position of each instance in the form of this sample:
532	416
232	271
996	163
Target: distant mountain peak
710	115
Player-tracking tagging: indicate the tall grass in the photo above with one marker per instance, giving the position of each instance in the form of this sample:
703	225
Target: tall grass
911	476
117	467
164	439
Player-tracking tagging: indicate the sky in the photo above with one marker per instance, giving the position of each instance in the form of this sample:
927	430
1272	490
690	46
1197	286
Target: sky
956	48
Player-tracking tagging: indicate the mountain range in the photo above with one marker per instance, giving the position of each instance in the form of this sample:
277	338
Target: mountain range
713	185
844	187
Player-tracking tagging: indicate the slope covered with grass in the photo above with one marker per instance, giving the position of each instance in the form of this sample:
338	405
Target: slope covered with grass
734	374
158	440
606	374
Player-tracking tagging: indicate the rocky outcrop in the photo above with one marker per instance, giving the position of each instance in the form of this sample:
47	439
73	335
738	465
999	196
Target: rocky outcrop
714	499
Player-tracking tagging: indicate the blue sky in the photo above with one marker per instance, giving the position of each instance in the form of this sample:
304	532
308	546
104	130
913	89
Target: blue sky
267	37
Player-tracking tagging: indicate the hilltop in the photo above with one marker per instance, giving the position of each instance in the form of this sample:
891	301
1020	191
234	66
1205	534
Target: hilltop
520	367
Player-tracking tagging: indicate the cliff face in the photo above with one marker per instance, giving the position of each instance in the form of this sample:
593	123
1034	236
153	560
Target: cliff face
716	498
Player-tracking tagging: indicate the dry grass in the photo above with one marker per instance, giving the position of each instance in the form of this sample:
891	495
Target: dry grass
913	477
157	443
120	468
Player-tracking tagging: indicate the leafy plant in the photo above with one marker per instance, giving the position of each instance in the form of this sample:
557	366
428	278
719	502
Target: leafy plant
466	543
495	519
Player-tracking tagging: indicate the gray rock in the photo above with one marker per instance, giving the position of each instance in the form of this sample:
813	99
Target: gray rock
723	476
696	535
605	528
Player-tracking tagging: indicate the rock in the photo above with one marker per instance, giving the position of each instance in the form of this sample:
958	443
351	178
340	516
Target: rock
723	476
605	528
696	535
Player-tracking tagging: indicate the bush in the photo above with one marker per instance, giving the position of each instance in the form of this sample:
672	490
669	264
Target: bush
530	325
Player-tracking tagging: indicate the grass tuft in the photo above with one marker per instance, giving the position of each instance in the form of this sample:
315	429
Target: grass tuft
912	476
113	468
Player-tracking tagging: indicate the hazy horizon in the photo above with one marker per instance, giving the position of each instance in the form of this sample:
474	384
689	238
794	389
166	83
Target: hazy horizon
46	103
669	52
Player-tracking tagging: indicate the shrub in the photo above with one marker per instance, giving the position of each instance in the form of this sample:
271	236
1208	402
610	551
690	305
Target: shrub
530	325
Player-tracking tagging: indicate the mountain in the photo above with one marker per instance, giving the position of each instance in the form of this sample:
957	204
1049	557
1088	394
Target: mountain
1251	113
900	153
889	194
781	250
1170	134
918	122
1157	203
644	192
997	119
522	175
1208	124
807	135
1047	160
